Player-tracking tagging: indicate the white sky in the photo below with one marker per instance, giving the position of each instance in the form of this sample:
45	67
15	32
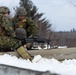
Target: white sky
61	13
10	4
66	67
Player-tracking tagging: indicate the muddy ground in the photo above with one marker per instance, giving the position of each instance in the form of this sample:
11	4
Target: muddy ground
59	54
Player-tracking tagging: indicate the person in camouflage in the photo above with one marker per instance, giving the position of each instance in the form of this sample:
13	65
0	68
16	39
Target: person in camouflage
6	30
25	23
7	35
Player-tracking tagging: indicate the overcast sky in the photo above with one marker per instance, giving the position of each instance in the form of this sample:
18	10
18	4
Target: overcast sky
10	3
61	13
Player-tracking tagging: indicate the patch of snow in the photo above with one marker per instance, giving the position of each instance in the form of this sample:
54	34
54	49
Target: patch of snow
66	67
62	46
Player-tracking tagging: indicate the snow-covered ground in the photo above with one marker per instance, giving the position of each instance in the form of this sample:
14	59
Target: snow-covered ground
62	46
66	67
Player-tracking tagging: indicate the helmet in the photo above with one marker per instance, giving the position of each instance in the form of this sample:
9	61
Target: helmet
4	10
20	33
21	11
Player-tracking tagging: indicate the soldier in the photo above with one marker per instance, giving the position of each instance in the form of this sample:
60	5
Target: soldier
7	35
25	23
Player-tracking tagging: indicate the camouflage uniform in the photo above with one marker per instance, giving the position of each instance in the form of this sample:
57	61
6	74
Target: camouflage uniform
25	23
7	35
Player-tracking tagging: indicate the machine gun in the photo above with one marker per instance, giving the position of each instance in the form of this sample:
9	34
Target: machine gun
21	35
35	40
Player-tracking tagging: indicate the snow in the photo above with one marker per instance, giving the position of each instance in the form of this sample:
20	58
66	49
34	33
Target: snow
66	67
62	46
